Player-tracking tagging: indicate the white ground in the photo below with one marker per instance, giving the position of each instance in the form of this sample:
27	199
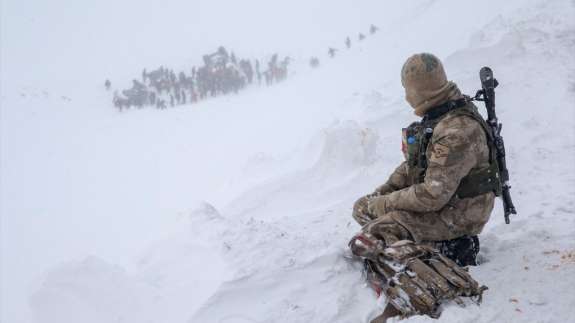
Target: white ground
238	209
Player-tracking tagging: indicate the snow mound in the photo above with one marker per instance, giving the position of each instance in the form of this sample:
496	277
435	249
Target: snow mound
166	284
347	146
342	151
91	291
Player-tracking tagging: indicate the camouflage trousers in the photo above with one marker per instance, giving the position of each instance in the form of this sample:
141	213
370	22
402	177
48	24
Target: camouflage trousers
421	227
382	228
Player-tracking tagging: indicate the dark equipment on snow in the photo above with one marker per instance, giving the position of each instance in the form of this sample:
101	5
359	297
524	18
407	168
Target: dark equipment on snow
487	95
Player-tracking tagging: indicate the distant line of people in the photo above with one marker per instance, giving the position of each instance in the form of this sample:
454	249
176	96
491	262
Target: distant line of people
332	51
221	73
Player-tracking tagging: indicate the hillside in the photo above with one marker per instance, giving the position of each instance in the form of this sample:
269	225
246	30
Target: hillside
238	209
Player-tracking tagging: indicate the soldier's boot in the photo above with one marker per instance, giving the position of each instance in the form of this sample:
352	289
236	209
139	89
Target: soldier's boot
463	250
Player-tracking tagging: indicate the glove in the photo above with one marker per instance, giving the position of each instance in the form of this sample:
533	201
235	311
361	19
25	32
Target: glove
360	212
378	206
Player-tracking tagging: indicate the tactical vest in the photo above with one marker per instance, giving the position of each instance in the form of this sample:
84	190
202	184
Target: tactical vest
417	137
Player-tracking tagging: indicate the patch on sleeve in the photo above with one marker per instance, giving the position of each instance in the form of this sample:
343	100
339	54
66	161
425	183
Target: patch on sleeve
439	154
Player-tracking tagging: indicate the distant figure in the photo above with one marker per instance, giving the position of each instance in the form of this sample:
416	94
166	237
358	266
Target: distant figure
193	96
331	52
161	104
182	77
361	37
268	77
373	29
258	72
246	67
348	43
222	51
314	62
107	84
177	96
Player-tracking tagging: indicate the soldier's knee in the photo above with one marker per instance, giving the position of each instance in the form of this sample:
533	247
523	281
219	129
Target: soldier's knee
361	203
386	229
365	245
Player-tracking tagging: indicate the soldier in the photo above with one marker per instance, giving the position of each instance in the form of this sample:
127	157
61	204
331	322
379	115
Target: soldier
172	77
182	78
107	84
177	95
348	43
247	69
361	37
268	77
438	200
331	52
373	29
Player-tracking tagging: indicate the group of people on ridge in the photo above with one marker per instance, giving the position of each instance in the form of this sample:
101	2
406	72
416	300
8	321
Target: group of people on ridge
221	73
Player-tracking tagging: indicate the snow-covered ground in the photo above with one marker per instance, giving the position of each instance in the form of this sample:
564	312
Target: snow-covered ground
238	209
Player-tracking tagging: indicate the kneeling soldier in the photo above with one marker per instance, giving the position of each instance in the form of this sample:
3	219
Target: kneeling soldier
422	224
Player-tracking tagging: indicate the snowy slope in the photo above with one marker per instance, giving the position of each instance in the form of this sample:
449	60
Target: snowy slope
279	170
529	264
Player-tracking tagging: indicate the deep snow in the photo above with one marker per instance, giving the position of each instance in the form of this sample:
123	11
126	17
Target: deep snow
238	209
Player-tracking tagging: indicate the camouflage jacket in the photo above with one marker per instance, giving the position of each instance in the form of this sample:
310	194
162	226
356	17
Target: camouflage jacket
458	146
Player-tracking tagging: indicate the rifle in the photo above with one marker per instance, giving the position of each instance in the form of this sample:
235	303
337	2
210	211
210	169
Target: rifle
487	95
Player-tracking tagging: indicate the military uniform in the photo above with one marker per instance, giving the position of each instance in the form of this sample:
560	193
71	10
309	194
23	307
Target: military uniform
444	190
428	201
431	210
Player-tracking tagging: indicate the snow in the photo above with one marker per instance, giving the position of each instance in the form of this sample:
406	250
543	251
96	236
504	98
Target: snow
238	209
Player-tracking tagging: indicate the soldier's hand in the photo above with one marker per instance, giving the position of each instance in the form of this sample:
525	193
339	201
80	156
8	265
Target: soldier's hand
360	211
378	205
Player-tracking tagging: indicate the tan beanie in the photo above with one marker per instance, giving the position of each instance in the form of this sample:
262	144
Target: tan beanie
425	83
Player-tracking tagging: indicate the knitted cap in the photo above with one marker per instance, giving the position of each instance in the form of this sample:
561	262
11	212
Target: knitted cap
425	83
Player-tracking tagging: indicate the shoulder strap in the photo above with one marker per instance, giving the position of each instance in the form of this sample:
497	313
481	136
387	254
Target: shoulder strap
470	110
441	110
